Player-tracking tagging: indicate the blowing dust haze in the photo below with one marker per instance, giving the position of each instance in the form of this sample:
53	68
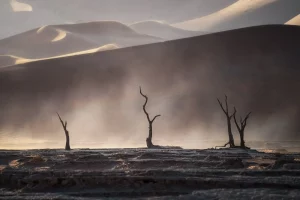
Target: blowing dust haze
149	99
254	61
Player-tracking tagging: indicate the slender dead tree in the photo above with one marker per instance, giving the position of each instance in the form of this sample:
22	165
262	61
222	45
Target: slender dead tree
64	125
228	117
149	139
241	127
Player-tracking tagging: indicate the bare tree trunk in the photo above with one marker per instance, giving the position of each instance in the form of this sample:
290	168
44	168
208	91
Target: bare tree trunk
228	117
242	140
64	125
230	135
241	127
149	138
67	147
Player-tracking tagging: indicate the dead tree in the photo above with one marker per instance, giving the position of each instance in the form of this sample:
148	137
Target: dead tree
149	139
64	125
228	117
241	127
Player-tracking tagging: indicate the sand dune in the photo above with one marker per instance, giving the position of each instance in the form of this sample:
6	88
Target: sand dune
57	40
20	7
46	12
162	30
254	67
244	13
8	60
294	21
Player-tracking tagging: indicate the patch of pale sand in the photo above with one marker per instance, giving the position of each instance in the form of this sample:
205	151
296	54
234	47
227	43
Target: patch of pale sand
60	35
294	21
255	167
41	169
20	7
20	60
274	150
2	167
15	163
233	10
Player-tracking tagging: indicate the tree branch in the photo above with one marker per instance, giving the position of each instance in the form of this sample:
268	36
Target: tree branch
61	121
221	105
245	120
144	106
233	114
234	117
155	118
226	103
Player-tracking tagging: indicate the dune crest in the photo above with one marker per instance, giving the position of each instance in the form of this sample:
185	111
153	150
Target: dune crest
232	11
21	60
294	21
61	35
162	30
148	21
41	29
20	7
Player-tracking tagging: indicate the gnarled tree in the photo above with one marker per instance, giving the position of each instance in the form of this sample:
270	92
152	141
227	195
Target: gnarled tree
150	121
228	118
64	125
241	127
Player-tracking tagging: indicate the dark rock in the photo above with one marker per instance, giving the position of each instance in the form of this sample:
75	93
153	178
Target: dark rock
53	181
65	182
282	160
234	163
291	166
212	158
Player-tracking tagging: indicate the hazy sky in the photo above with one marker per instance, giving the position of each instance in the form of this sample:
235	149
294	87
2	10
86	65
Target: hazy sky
21	15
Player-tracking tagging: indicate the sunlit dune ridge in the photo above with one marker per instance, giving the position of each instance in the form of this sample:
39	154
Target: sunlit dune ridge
234	10
20	60
20	7
294	21
41	29
149	21
61	34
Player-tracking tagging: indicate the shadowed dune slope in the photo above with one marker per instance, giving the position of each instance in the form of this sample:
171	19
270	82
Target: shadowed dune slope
244	13
163	30
257	69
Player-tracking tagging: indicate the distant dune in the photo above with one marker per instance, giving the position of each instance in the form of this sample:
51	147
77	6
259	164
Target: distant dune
58	40
244	13
162	30
20	7
257	69
75	11
294	21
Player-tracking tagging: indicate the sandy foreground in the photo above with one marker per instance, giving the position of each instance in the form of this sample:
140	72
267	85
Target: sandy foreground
148	173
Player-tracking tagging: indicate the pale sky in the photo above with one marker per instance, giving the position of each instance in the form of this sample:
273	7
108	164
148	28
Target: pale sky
17	16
